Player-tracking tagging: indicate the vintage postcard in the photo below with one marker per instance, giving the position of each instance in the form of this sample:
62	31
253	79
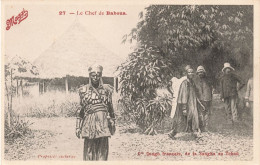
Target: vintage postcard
129	81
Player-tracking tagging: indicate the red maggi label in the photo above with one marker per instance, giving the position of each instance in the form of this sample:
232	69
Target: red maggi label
16	20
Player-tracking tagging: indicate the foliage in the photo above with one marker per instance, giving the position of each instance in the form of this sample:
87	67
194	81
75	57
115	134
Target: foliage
142	73
127	110
147	114
140	76
15	67
20	67
171	36
200	34
155	111
18	129
23	148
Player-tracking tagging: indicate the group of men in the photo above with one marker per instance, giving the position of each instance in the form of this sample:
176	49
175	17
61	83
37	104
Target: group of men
192	97
190	110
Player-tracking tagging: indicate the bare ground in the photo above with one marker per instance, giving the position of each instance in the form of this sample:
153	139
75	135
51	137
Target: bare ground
54	139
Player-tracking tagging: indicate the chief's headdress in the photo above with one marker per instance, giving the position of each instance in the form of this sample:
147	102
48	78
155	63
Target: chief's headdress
95	68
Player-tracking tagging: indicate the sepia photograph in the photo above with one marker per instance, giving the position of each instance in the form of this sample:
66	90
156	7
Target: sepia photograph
128	82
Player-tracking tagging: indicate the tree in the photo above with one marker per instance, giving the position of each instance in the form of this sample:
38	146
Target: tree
170	37
198	34
15	67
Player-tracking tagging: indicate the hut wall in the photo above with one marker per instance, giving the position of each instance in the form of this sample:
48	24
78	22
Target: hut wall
34	87
73	83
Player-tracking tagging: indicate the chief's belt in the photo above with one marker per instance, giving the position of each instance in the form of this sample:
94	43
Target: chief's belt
95	108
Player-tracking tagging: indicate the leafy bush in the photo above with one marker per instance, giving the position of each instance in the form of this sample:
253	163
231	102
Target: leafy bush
19	128
144	71
147	114
140	76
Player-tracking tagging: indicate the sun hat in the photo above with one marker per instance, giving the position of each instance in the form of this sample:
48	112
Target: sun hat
227	65
201	69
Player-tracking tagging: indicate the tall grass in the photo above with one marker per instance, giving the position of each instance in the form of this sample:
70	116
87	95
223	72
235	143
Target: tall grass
49	104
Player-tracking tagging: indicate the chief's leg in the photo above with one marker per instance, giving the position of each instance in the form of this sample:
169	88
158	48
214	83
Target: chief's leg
102	148
88	150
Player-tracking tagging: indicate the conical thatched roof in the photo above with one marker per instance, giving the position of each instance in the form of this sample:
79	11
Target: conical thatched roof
73	53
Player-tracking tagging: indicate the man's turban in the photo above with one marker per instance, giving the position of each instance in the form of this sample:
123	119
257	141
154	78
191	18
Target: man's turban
95	68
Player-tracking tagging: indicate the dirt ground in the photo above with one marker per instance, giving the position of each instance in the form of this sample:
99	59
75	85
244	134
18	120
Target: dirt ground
55	139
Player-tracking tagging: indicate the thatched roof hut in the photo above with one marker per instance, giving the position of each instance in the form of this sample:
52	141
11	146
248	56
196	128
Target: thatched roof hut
72	54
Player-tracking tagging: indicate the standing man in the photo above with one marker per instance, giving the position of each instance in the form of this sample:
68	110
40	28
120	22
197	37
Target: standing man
204	93
249	95
186	117
95	115
230	84
174	89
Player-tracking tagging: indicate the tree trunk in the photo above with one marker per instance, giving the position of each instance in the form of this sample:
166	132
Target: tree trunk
11	98
43	87
67	85
21	83
40	88
8	106
21	90
17	88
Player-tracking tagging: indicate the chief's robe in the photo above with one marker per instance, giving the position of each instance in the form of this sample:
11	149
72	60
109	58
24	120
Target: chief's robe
186	97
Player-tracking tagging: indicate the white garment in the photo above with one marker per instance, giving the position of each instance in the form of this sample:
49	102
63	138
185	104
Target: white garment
176	83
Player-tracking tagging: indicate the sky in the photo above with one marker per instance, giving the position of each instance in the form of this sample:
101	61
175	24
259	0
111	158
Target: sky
44	25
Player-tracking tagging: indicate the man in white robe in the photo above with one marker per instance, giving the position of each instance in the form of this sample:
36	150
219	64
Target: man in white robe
176	83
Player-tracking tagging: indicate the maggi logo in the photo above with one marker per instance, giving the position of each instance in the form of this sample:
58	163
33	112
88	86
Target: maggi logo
18	19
